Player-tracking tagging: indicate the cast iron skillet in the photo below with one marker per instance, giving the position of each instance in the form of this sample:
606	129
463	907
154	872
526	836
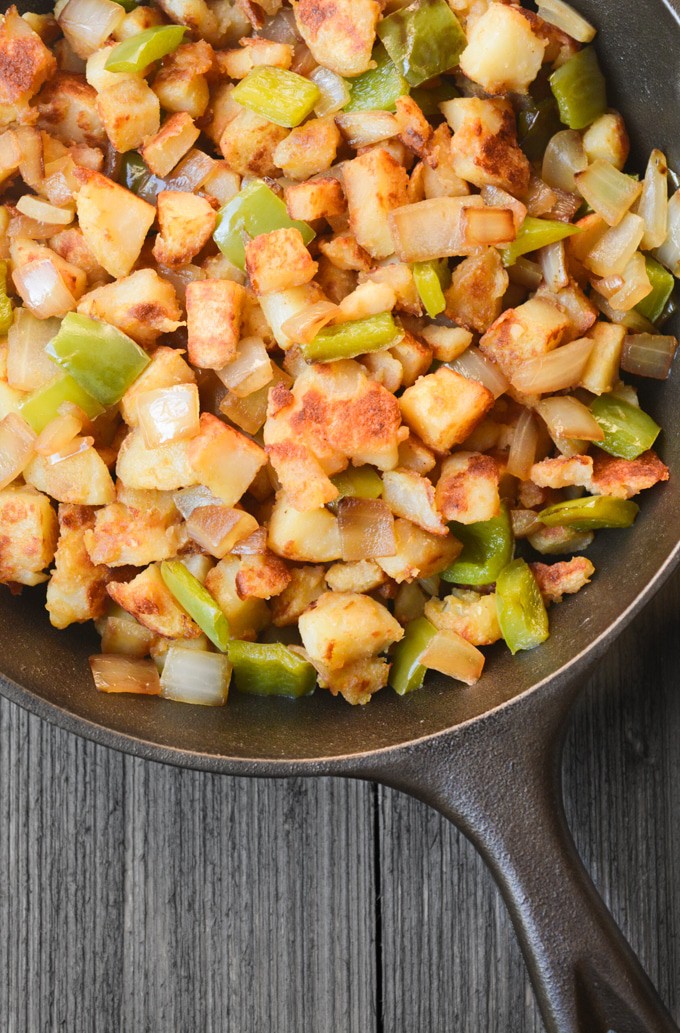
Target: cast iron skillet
487	757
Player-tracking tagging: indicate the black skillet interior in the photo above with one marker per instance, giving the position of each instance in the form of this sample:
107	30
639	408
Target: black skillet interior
47	671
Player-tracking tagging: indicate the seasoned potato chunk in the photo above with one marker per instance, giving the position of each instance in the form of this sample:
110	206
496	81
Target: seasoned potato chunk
339	33
28	535
306	584
411	496
301	475
123	535
142	305
522	333
414	129
77	588
562	472
502	31
198	17
308	149
475	296
467	489
467	613
167	368
355	682
317	199
67	109
248	142
419	553
312	537
262	576
607	139
484	149
163	149
556	580
343	251
339	628
164	468
181	84
224	460
253	53
130	111
278	260
375	184
623	478
114	222
25	64
186	222
246	616
443	408
214	314
150	602
82	479
358	576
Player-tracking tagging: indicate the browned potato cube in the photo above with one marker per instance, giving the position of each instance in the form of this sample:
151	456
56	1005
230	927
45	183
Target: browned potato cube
375	183
25	64
339	33
308	149
414	129
484	149
67	109
525	332
214	314
224	460
187	223
150	602
443	408
317	199
163	150
278	260
253	53
114	222
130	112
248	142
142	305
29	535
467	489
340	628
77	588
262	576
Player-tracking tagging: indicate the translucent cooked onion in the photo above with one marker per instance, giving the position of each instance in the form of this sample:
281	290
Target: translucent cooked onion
124	635
566	417
522	453
565	207
451	654
89	23
553	262
366	529
58	434
41	211
74	447
474	365
635	285
653	204
495	197
669	252
431	229
488	226
555	371
113	673
31	149
28	365
17	442
191	676
615	248
218	528
556	12
188	499
526	273
362	128
563	159
254	545
250	370
648	355
168	414
609	192
42	289
633	320
282	28
305	325
191	172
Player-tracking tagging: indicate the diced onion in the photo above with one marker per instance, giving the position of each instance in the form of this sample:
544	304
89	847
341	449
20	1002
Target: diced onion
191	172
609	192
41	211
496	197
305	325
615	248
282	28
73	448
648	355
17	441
635	285
525	273
190	676
218	528
124	635
362	128
58	434
168	414
113	673
188	499
669	252
522	454
254	545
564	158
451	654
333	89
557	12
474	365
88	23
431	229
566	417
633	320
565	207
28	365
250	370
42	289
366	529
653	204
555	371
553	262
60	184
488	226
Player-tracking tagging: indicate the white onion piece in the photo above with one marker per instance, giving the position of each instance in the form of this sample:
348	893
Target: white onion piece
632	320
305	325
653	204
168	414
304	61
607	285
553	262
522	453
282	28
28	365
17	442
366	529
58	434
556	12
10	153
216	529
648	355
488	226
525	273
191	172
431	229
74	447
190	676
495	197
564	158
125	635
362	128
88	23
42	289
188	499
609	192
254	545
250	370
41	211
474	365
451	654
113	673
555	371
615	248
200	565
635	285
669	252
566	417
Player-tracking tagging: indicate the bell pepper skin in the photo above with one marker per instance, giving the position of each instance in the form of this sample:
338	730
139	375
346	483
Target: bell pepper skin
255	209
283	97
430	278
628	431
406	673
270	669
356	337
423	39
102	359
197	601
5	301
536	125
522	615
136	52
379	87
662	282
487	549
536	233
137	177
42	406
359	482
579	89
590	513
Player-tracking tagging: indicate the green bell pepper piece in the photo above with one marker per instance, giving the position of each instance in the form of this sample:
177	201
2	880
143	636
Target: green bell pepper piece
195	598
406	673
428	98
430	279
41	407
127	5
379	87
423	39
5	301
662	282
255	209
579	89
535	233
104	361
359	482
270	669
590	513
628	431
283	97
139	179
487	548
522	615
536	125
136	52
356	337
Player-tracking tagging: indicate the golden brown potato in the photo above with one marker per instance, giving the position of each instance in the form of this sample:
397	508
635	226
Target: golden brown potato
339	628
475	297
321	198
467	489
129	111
309	537
246	617
150	602
414	129
76	591
522	333
224	460
308	149
262	575
484	147
122	535
502	30
444	407
623	478
67	109
339	33
253	53
82	479
356	682
343	251
186	224
164	468
469	614
167	368
562	472
114	222
248	142
411	496
419	554
25	64
375	184
28	535
142	305
305	585
162	150
214	316
180	84
556	580
278	260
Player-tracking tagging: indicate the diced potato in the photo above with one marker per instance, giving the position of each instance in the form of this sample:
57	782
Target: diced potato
317	199
447	342
299	471
484	149
439	177
186	224
398	276
167	368
359	576
67	109
82	479
415	358
166	146
411	496
29	535
475	297
95	70
306	584
114	222
312	537
414	455
419	553
221	111
525	332
122	535
344	252
136	21
602	369
340	628
623	478
607	139
127	637
384	369
150	602
262	576
339	33
562	472
467	489
308	149
556	541
77	588
71	245
502	31
356	682
375	184
248	142
368	299
444	407
278	260
142	305
181	85
414	129
469	614
197	15
246	616
25	64
214	314
556	580
129	111
224	460
254	53
164	468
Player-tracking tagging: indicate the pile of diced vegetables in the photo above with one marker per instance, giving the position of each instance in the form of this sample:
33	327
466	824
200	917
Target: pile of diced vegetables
315	323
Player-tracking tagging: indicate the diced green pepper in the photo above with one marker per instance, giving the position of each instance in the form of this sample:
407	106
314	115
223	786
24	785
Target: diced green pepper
5	302
428	98
430	278
379	87
423	39
283	97
536	125
127	5
255	209
103	360
662	282
136	52
535	233
359	482
41	407
406	672
628	431
522	615
356	337
487	548
138	177
579	89
590	513
270	669
193	597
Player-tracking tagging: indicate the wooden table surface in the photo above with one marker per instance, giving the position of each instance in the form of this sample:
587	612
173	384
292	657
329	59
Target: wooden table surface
136	898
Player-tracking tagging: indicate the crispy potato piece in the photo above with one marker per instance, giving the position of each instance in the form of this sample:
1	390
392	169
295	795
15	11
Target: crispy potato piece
180	84
415	357
248	142
162	150
214	315
556	580
522	333
186	224
414	129
82	479
150	602
25	64
142	305
358	576
467	489
339	33
484	148
623	478
419	553
341	627
607	138
398	276
123	535
67	109
311	537
356	682
317	199
308	149
301	475
475	297
262	576
130	111
167	368
71	245
254	52
306	584
384	369
444	407
224	460
344	252
76	591
375	184
500	31
411	496
114	222
246	616
164	468
28	535
278	260
562	472
198	17
469	614
414	455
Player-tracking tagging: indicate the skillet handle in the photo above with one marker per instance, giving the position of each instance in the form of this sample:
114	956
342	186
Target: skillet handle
499	780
